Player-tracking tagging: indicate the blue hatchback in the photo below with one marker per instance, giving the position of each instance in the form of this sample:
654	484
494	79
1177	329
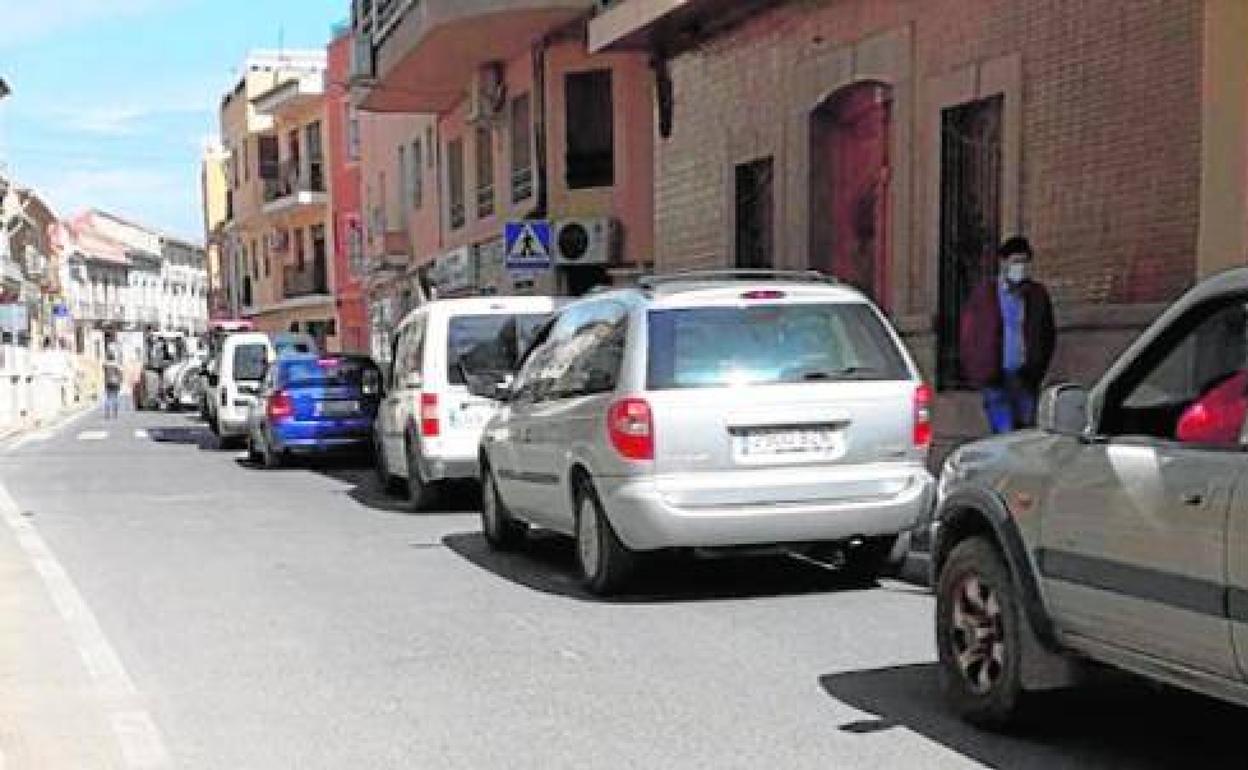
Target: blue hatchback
310	404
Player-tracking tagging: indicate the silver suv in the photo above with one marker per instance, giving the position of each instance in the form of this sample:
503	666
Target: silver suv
710	411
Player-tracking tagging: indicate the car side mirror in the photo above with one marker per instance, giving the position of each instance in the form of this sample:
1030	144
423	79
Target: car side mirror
213	380
1063	410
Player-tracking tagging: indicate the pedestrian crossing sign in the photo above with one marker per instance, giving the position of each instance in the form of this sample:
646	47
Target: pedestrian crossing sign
528	245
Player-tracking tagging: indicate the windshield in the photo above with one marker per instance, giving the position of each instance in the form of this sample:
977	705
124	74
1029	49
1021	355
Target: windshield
250	361
768	344
489	343
357	373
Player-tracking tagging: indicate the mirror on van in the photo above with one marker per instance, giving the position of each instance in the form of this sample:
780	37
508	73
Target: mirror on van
214	379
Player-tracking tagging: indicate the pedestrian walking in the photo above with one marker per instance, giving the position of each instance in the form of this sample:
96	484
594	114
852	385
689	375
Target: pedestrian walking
1007	337
113	376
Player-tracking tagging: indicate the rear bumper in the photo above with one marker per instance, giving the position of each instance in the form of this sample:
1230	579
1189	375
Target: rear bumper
448	468
645	520
333	444
230	425
297	435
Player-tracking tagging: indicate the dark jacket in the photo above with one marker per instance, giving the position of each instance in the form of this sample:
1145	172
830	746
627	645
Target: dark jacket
980	335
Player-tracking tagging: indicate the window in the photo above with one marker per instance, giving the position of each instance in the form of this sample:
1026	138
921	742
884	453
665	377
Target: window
429	143
769	344
234	170
521	148
250	362
352	123
409	349
265	248
455	182
488	343
1180	372
418	192
320	259
316	158
754	214
255	260
300	257
246	160
404	192
267	156
485	172
594	352
590	119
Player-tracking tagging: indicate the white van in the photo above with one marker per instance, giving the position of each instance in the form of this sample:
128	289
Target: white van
428	429
236	382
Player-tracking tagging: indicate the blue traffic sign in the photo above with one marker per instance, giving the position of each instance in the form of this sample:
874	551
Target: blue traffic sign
528	245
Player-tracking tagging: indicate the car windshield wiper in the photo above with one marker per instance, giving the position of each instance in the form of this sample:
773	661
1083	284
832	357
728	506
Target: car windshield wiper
825	375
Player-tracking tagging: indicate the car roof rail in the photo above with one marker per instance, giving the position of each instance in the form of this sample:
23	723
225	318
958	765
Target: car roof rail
735	274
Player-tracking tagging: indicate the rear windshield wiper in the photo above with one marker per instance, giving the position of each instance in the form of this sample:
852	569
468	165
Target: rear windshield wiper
825	375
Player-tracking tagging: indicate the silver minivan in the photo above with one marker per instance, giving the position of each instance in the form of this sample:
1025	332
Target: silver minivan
710	411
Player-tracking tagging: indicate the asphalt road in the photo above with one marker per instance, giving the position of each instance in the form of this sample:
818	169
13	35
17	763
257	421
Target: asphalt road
300	619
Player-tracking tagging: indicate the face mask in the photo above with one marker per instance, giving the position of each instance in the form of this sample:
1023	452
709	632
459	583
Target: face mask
1016	272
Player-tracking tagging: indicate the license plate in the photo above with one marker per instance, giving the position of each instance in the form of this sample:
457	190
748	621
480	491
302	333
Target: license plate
470	416
791	442
337	408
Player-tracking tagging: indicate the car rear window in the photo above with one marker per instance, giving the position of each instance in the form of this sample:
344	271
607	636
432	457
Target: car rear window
250	361
489	343
356	373
769	344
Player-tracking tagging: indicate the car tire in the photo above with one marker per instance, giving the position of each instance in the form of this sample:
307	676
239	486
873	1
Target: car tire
501	531
253	455
979	636
389	483
271	458
422	495
867	562
606	564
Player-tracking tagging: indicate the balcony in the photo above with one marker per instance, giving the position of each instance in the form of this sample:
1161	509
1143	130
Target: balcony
296	187
303	283
424	53
291	97
666	24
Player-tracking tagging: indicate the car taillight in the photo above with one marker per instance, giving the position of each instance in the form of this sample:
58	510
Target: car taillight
630	425
280	406
430	426
922	417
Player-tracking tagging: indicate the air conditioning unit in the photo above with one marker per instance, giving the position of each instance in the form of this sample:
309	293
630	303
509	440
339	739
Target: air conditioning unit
586	241
487	92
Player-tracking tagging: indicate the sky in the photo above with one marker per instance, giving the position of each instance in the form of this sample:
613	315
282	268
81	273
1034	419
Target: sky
113	100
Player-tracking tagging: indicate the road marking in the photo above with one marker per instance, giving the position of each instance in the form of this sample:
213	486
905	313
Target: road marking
139	433
42	435
93	435
137	735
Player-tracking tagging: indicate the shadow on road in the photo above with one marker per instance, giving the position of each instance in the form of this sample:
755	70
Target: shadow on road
1118	722
192	435
547	563
365	487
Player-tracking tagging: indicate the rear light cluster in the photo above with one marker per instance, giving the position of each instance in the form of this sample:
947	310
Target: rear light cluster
280	406
922	416
630	425
430	426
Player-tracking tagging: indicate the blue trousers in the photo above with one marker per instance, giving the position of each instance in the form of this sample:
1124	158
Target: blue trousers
1012	406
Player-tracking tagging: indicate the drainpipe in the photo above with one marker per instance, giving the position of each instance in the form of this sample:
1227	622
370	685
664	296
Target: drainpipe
539	129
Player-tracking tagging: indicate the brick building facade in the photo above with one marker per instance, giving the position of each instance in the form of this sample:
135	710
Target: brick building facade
894	143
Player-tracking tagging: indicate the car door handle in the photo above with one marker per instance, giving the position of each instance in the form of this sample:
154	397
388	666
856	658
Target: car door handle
1193	498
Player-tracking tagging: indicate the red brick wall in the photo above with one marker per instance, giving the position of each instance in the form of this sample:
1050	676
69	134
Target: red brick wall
1109	182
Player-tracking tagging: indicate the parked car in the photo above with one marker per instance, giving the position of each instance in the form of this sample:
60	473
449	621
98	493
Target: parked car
162	351
429	425
184	383
1113	533
234	385
295	343
721	410
207	401
310	404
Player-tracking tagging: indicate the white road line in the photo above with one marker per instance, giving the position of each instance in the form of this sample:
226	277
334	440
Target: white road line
93	435
139	433
139	739
42	435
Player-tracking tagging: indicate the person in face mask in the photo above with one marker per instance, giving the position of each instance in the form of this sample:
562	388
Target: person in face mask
1007	338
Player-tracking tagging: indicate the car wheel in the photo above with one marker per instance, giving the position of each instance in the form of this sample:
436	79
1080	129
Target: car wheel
253	455
421	494
271	458
501	531
389	484
606	563
978	636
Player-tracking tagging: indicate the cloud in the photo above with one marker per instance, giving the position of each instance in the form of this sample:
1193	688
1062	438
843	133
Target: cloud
30	22
164	200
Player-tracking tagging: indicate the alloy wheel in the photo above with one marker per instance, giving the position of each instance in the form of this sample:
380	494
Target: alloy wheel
977	633
588	540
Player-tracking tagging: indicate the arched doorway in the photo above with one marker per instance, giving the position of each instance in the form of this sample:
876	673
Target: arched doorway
849	187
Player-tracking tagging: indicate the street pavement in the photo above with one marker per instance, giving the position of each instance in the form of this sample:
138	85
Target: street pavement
164	604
